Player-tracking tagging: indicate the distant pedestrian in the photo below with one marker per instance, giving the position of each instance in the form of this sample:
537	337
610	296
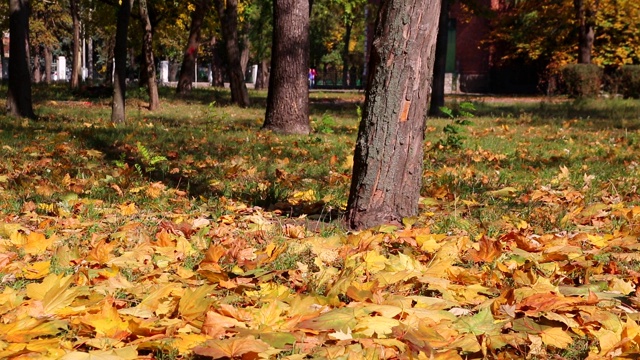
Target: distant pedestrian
312	77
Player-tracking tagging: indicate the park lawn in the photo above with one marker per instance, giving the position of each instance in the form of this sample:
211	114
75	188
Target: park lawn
190	232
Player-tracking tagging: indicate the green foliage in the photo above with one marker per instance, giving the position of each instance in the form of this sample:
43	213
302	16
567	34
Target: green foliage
326	124
630	81
582	80
148	160
459	116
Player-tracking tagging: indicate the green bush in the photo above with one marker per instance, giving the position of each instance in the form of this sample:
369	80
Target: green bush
630	81
582	80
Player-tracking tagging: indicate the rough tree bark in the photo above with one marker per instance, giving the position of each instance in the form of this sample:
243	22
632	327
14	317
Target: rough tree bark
120	55
90	60
440	64
228	14
387	170
586	34
19	95
74	83
148	60
288	96
186	77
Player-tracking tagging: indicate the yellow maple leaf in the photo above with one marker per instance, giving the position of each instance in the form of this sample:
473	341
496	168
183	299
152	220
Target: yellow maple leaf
36	270
37	243
107	322
54	293
374	262
128	209
557	337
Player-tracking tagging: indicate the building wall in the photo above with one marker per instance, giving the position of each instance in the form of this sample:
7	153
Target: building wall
472	57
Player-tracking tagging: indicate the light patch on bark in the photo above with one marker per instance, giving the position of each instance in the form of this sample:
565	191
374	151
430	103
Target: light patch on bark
406	105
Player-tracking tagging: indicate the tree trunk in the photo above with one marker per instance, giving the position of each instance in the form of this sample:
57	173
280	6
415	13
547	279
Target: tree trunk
387	169
228	14
37	75
217	65
262	78
440	64
148	61
586	33
120	55
191	53
77	60
90	60
288	97
345	54
19	94
110	62
48	59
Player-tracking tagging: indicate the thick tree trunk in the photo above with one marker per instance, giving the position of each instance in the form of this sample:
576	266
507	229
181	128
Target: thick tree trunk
345	55
387	170
19	96
586	32
77	60
187	70
228	14
48	59
120	55
148	61
440	64
288	97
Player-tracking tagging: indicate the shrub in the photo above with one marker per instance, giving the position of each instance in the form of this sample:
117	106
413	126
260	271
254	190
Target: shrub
582	80
630	81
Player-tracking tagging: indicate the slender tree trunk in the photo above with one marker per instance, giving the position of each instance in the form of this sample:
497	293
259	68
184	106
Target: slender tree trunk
228	14
77	60
345	53
148	61
440	64
387	169
110	62
120	55
37	75
217	65
262	79
288	97
586	32
48	57
191	53
90	60
19	96
245	54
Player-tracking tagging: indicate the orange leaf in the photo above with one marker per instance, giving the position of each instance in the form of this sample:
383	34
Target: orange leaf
489	250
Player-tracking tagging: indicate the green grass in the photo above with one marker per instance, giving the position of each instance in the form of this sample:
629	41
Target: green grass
209	149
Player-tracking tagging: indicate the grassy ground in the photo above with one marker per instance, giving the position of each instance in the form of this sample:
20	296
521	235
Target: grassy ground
192	231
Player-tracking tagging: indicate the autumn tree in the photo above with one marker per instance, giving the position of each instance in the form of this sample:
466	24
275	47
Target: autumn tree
556	33
19	95
387	169
228	15
288	97
120	55
187	69
147	54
